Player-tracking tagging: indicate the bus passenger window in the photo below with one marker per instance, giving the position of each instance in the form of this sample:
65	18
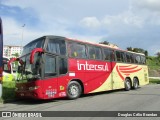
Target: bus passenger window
137	59
107	54
91	53
94	53
123	59
128	58
56	46
143	59
77	50
98	53
132	58
120	56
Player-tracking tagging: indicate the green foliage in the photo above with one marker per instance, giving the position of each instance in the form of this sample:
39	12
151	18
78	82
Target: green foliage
154	81
8	91
153	63
104	42
138	50
130	49
16	55
158	54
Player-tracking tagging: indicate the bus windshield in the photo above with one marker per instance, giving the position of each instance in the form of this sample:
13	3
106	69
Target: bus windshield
29	71
35	44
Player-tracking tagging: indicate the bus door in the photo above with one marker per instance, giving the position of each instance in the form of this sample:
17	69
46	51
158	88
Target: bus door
118	60
50	75
62	77
110	59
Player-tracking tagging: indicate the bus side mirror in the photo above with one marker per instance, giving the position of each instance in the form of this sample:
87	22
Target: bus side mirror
40	50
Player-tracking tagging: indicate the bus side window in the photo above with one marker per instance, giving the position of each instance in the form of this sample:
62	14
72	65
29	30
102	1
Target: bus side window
91	52
132	58
107	54
94	53
120	57
98	53
77	50
71	50
113	55
56	46
143	60
123	58
128	58
137	59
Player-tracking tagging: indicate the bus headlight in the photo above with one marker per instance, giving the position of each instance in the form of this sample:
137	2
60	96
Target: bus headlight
33	88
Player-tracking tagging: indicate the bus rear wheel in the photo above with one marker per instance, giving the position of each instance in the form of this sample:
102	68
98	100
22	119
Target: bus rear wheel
74	90
135	83
127	84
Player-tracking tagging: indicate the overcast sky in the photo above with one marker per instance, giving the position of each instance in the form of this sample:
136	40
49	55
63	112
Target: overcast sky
127	23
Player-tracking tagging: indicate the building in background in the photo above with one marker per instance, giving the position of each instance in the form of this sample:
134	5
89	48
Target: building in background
10	51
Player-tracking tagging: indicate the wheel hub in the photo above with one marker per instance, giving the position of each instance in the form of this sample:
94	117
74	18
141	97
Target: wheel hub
73	90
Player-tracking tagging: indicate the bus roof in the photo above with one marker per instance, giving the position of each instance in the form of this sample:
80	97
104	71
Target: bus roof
85	42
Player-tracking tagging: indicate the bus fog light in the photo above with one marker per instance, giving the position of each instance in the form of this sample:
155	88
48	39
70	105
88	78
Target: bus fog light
33	88
16	89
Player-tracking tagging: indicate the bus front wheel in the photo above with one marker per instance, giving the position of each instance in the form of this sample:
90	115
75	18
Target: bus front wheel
127	84
74	90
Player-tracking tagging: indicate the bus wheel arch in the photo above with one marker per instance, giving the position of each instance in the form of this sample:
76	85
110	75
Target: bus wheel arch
74	89
135	82
127	84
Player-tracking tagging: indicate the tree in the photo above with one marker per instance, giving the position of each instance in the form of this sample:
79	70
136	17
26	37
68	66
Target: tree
16	55
138	50
146	53
104	42
158	54
130	49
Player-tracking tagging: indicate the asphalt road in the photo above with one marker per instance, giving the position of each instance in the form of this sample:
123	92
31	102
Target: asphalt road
146	98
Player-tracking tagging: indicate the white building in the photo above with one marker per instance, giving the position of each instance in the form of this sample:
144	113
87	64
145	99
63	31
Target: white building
9	50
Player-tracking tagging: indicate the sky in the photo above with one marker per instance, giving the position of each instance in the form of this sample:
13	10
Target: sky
126	23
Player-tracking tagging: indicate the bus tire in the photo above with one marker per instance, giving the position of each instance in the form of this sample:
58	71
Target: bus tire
74	90
127	84
135	83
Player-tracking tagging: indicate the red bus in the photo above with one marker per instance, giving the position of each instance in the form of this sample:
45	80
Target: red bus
1	56
54	67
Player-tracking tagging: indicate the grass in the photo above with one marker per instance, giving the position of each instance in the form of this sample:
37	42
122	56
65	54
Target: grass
8	92
154	81
153	63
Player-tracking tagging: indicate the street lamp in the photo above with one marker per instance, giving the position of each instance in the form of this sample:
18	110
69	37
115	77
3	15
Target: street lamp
22	33
22	36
